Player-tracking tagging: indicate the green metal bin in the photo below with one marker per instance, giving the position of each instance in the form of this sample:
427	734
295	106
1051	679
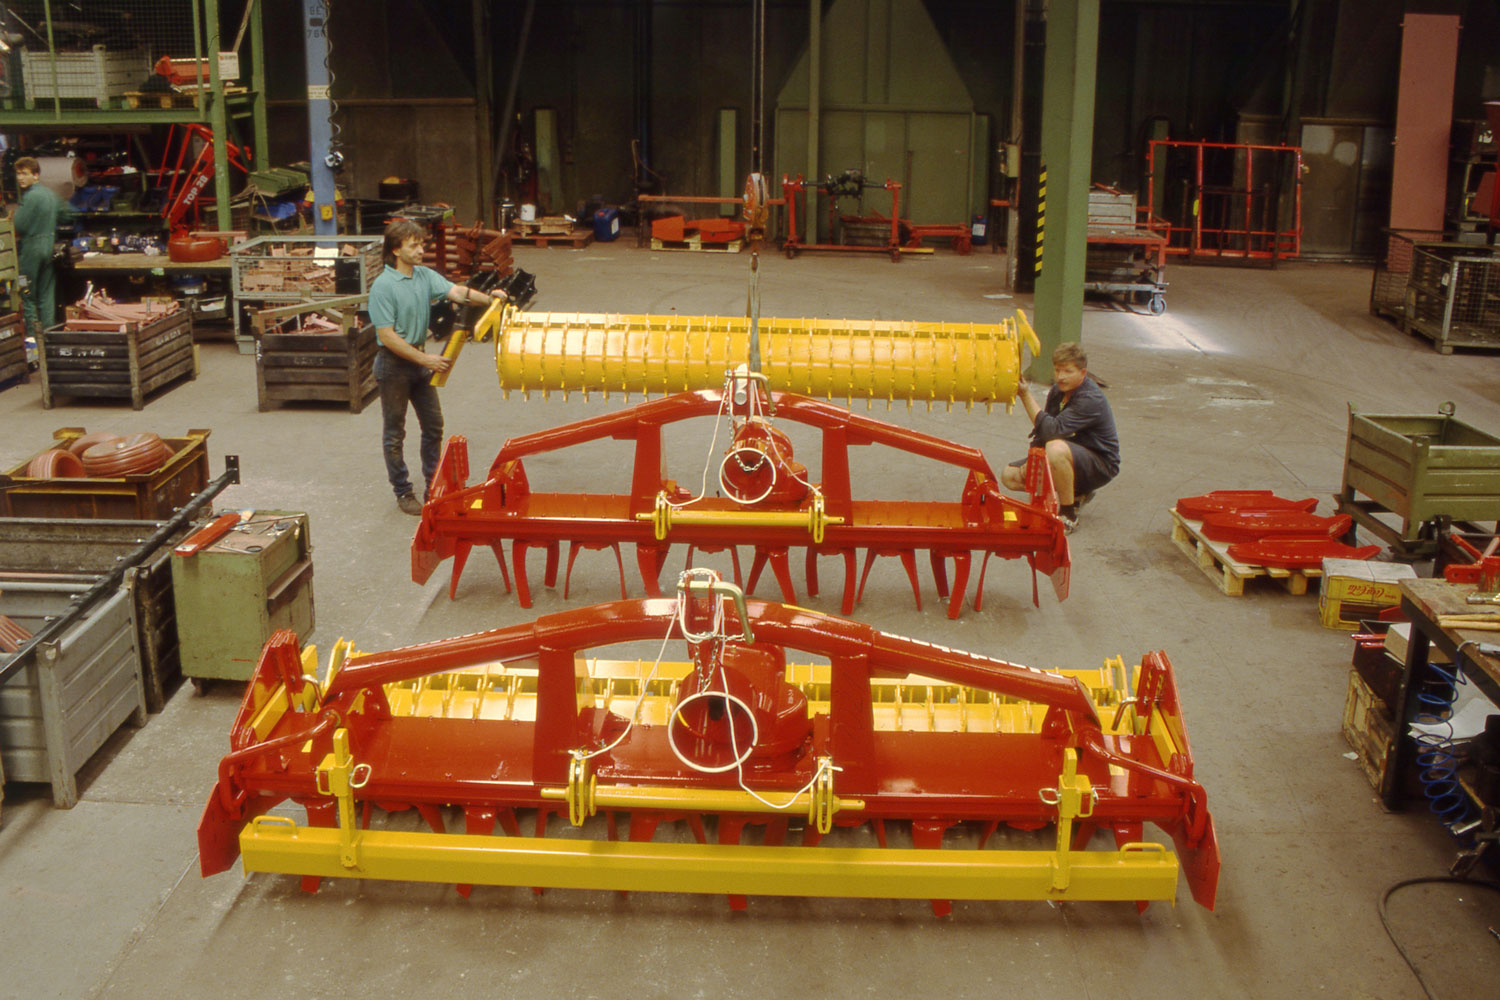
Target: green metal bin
233	594
1415	468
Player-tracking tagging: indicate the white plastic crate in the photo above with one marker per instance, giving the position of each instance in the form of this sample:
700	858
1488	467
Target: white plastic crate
96	75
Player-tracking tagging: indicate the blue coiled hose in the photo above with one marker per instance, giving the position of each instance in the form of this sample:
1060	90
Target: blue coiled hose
1437	767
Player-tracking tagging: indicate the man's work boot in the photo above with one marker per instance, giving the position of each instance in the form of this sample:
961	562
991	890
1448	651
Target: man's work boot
1068	515
409	504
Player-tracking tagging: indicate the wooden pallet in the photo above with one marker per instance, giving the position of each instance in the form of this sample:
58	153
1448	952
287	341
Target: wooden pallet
153	99
695	243
578	239
1228	574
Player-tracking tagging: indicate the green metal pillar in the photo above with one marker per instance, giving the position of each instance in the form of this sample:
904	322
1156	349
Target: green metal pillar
1067	151
218	115
262	151
814	113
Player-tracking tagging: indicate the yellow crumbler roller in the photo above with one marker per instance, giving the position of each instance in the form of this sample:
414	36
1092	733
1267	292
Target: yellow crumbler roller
851	359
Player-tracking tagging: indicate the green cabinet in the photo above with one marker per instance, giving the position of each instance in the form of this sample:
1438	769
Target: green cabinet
232	594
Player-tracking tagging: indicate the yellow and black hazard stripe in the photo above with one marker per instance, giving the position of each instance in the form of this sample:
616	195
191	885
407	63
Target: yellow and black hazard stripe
1041	216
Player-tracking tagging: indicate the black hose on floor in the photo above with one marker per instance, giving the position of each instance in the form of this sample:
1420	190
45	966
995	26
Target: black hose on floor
1430	880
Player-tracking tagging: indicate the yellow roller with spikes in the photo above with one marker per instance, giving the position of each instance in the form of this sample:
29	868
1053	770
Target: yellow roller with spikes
934	363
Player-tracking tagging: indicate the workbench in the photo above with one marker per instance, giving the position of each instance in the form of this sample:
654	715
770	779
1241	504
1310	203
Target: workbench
115	263
1423	601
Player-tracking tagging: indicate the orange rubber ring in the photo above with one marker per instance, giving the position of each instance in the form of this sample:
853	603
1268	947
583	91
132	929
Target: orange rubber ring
55	463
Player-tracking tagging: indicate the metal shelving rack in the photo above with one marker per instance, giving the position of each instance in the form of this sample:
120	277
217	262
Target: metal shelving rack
211	106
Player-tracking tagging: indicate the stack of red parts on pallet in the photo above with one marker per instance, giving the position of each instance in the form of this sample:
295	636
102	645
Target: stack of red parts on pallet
1263	529
102	454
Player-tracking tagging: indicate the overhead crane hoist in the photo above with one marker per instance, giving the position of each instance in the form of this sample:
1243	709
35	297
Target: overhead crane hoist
534	724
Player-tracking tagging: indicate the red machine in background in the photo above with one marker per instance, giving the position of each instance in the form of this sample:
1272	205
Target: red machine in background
851	184
766	502
185	174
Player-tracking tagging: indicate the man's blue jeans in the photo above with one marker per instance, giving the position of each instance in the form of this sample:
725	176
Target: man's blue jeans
402	382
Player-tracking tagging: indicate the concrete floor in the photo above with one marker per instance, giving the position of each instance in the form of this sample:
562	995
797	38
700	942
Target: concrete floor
1242	384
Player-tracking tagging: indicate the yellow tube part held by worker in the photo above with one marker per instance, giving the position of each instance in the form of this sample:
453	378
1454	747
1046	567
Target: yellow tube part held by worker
851	359
488	321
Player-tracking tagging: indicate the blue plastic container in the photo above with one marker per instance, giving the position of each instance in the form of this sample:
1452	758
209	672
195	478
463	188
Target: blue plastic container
979	231
606	224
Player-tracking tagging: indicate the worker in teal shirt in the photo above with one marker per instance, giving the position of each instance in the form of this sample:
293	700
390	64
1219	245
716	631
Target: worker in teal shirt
401	310
37	217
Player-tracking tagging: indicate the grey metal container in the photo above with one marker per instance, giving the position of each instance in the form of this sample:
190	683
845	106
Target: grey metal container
77	691
83	550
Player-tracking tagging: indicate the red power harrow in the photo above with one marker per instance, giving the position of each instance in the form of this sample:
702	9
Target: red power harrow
766	502
880	730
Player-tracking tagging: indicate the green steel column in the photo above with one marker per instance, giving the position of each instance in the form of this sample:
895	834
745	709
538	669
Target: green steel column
484	105
814	113
1067	151
218	116
262	151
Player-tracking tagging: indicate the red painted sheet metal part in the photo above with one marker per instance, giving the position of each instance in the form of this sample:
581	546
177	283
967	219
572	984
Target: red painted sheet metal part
504	507
1252	525
1220	501
489	767
1297	553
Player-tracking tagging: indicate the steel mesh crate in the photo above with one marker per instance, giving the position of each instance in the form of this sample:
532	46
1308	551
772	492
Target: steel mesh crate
1392	271
298	268
1453	296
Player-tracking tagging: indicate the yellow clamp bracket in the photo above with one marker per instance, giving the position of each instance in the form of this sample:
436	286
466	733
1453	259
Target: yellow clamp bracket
450	351
493	317
339	776
664	515
584	797
1073	791
1024	333
825	804
579	794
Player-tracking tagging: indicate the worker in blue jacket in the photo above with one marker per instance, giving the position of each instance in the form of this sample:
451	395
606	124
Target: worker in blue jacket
401	310
36	219
1077	429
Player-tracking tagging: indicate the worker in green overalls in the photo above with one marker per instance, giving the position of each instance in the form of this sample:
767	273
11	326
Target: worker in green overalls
37	216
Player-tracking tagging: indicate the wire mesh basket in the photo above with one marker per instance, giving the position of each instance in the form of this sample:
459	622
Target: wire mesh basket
305	267
1388	286
1453	296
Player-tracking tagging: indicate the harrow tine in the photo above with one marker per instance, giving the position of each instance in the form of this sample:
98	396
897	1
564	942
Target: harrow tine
433	816
550	575
573	548
649	560
480	821
731	828
984	564
499	549
319	814
460	556
518	563
927	835
783	573
756	567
